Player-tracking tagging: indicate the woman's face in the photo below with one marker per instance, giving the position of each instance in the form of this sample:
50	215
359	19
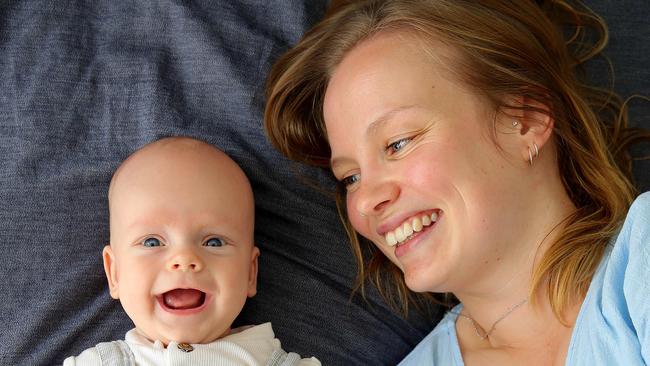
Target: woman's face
413	145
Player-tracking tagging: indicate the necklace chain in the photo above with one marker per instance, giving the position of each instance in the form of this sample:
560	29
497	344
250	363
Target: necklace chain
480	331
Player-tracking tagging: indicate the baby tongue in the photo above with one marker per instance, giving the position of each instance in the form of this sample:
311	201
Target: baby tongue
183	298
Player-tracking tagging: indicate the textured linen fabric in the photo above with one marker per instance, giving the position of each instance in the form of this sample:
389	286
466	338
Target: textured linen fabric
85	83
629	52
613	325
252	346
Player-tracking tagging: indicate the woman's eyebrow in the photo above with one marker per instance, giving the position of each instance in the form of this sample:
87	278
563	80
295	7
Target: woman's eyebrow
374	127
385	117
336	161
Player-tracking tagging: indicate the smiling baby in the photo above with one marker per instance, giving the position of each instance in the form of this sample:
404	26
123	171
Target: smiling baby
182	261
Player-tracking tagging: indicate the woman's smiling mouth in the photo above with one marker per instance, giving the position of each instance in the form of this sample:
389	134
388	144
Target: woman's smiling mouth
409	228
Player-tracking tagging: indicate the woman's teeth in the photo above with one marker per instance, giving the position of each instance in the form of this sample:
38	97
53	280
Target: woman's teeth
406	230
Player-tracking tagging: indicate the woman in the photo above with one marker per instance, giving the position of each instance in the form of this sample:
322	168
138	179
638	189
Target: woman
473	159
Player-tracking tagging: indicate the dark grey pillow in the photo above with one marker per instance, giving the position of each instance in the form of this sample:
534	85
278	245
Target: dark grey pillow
629	53
84	84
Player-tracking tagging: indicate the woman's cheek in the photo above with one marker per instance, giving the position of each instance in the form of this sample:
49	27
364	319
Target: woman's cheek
359	223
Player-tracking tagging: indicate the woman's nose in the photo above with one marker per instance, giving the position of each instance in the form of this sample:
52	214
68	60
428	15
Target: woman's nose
185	260
373	197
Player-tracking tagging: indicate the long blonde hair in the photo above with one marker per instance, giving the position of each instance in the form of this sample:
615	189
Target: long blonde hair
507	48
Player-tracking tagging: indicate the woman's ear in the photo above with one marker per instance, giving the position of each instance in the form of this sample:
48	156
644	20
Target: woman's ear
534	126
252	275
110	268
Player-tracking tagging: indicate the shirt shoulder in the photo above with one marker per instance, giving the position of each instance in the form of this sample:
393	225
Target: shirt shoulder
635	237
312	361
261	342
258	337
89	357
440	347
628	268
613	326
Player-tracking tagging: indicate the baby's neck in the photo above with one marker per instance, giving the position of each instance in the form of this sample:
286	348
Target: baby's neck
140	337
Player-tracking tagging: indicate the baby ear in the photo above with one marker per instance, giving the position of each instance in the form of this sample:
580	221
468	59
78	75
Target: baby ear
252	275
110	268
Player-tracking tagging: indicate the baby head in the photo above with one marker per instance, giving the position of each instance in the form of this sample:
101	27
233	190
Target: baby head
181	258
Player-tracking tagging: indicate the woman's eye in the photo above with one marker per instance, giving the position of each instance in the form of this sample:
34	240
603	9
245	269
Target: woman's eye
350	180
397	145
151	242
215	242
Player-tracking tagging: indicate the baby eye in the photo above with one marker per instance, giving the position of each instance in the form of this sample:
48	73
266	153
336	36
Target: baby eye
349	180
215	242
397	145
151	242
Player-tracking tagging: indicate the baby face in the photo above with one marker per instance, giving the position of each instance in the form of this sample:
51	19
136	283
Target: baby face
181	259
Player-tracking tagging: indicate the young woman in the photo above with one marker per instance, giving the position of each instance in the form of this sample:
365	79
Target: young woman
473	158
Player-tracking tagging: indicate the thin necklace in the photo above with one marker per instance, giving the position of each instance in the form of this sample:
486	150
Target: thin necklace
479	329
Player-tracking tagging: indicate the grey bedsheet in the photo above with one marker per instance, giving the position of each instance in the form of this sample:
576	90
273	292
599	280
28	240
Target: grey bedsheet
84	83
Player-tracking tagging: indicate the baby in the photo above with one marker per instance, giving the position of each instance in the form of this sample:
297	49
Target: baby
182	262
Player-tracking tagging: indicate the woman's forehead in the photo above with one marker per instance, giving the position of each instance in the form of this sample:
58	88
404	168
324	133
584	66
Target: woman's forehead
390	70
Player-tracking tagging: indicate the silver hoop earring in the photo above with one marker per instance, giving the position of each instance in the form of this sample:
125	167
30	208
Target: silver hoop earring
515	123
530	153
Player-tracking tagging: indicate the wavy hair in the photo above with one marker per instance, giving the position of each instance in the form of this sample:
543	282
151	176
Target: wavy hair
532	49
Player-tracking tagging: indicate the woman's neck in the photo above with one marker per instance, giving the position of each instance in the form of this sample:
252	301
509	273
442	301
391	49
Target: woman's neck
519	324
502	301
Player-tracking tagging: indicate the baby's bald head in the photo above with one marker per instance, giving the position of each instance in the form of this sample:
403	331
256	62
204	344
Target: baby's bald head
180	168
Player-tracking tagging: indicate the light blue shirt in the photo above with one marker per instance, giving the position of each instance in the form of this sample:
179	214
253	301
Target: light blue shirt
613	325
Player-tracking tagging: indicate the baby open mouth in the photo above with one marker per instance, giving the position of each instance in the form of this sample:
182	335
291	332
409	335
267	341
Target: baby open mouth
183	298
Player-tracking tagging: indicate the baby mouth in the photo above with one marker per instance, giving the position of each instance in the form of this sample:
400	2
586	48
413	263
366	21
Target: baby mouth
409	228
183	298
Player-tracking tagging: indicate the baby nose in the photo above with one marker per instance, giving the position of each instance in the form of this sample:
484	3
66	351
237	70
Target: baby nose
185	262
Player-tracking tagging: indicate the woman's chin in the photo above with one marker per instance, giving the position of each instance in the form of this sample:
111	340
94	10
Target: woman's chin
422	281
